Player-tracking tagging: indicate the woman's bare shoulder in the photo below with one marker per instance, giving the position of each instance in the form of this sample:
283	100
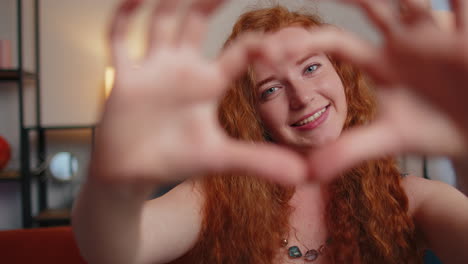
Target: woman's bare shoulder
419	190
414	188
440	211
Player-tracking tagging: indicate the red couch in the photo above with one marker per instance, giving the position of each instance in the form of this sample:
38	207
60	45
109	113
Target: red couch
55	245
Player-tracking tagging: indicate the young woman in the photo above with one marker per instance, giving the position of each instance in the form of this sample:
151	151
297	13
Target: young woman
161	124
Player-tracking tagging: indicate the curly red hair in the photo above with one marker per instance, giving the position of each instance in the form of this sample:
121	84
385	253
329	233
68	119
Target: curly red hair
245	218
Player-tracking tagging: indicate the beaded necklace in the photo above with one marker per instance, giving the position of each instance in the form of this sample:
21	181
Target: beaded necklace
311	254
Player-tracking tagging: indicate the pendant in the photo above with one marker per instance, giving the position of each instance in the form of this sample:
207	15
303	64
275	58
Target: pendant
311	255
294	252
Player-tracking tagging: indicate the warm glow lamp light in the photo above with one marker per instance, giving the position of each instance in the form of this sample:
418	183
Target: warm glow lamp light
109	80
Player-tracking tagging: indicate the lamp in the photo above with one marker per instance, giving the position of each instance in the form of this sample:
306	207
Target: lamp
109	77
62	167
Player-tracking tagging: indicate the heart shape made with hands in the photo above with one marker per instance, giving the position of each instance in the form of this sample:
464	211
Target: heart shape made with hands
156	98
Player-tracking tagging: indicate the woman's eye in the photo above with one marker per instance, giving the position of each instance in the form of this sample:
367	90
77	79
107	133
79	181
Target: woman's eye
268	92
311	68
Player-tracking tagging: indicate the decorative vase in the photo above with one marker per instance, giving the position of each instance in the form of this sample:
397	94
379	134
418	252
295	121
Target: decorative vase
5	153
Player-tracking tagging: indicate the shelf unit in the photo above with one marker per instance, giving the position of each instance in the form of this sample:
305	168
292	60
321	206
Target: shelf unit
20	76
47	216
53	217
8	75
10	175
24	175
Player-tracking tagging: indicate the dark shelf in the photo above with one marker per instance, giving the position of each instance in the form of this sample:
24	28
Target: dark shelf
10	175
53	215
71	127
9	75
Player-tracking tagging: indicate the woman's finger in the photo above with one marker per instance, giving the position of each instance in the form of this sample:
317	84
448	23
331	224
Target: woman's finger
460	8
422	128
195	23
416	4
414	11
356	51
194	31
235	58
266	160
164	24
119	29
381	13
353	147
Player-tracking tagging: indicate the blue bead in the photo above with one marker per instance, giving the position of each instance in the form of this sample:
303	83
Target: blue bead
294	252
311	255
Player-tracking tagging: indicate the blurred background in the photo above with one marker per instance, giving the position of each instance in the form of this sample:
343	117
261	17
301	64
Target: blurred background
52	87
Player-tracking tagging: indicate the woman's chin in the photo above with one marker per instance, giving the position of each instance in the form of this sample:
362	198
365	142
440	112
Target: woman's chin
306	145
311	145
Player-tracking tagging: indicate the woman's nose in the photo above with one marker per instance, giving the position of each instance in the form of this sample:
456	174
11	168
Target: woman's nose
299	96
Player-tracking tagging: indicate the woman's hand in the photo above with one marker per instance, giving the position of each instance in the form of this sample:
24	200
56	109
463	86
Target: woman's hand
417	54
405	124
160	122
421	53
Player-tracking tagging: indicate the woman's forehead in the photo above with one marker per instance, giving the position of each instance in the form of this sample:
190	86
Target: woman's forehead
294	29
292	42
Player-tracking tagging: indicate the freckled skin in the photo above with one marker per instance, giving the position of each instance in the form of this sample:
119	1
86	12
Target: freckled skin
303	89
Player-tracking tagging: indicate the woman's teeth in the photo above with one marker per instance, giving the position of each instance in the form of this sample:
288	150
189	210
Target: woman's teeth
311	118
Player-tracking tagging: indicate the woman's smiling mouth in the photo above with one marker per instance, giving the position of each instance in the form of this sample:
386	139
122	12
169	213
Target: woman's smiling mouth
313	120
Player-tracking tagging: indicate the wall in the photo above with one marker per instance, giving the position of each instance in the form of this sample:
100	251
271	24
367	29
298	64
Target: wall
74	56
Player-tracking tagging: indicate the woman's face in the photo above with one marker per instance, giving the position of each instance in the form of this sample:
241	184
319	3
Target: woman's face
301	102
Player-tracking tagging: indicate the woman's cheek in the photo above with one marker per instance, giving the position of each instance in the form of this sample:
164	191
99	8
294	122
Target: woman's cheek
272	117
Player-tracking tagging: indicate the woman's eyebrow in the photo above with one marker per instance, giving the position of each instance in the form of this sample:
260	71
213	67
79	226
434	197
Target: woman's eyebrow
262	82
299	62
308	56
